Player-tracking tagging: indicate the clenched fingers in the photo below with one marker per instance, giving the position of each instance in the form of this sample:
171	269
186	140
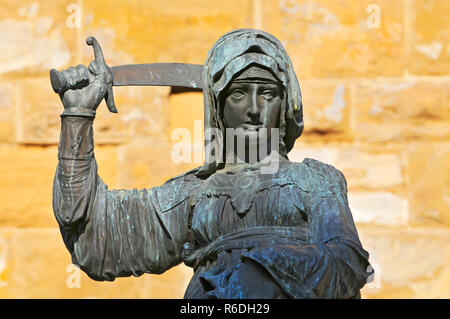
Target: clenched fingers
83	72
76	76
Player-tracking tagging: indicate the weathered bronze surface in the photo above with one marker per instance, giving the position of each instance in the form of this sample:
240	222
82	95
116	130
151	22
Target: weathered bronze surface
247	233
159	74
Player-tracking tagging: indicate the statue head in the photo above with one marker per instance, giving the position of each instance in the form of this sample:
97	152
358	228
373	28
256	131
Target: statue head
242	65
250	108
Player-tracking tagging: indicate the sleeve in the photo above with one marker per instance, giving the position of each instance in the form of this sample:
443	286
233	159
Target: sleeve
333	264
115	233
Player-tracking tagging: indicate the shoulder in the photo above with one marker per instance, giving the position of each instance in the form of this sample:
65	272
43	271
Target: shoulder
188	178
326	170
319	176
177	189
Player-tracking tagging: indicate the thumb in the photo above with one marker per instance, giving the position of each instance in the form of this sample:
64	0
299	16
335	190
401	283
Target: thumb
97	73
94	68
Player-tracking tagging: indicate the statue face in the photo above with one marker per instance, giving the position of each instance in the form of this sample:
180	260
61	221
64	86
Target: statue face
252	105
252	109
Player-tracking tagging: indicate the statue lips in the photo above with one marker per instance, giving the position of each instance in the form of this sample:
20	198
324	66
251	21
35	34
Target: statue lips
252	126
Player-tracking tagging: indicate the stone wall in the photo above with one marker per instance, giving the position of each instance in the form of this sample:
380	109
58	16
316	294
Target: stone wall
375	79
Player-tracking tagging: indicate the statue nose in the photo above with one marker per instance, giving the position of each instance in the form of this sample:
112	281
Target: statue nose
254	107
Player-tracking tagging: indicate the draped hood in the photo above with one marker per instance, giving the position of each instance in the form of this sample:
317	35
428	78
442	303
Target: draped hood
232	53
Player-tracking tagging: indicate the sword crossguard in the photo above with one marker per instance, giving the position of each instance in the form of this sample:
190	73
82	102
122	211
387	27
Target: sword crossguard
60	84
103	67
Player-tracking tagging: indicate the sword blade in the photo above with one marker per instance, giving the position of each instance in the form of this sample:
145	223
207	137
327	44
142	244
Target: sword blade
159	74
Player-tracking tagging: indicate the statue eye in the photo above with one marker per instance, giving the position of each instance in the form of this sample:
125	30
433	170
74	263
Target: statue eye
237	94
269	94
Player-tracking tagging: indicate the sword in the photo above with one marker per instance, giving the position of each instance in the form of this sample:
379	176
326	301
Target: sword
151	74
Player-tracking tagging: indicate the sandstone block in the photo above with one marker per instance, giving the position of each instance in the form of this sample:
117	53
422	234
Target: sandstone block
379	208
38	266
339	38
409	263
185	109
429	41
326	108
38	36
27	181
26	186
5	251
144	166
143	115
429	184
402	110
108	163
171	31
38	109
364	168
7	114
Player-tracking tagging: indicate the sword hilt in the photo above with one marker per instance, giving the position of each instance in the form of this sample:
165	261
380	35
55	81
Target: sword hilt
103	67
60	84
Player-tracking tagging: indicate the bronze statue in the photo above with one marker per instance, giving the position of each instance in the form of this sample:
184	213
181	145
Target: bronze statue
286	233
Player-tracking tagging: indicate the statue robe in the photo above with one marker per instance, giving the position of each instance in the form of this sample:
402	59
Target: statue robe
295	223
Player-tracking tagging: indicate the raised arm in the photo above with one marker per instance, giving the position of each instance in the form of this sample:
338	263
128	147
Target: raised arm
111	233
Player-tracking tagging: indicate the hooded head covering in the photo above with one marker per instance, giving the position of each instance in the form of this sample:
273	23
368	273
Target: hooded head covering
231	54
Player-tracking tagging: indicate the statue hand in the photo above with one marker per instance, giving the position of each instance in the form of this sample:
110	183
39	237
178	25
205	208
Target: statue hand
87	86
